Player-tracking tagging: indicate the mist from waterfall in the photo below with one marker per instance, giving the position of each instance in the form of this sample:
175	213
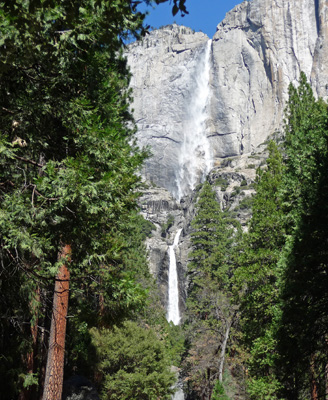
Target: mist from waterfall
173	312
195	160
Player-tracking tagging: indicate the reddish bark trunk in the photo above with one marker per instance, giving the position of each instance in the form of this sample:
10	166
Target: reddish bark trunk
314	384
53	385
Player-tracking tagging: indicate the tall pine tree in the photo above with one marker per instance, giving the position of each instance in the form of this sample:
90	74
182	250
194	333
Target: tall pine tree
68	167
257	278
304	323
211	312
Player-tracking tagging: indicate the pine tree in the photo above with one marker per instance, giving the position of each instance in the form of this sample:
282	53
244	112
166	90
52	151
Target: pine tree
134	363
304	327
211	312
68	162
257	277
211	236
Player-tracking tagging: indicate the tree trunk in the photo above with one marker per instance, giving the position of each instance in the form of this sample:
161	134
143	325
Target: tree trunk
223	350
314	384
53	385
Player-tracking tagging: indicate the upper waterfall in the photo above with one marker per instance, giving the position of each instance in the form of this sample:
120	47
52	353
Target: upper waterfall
195	159
257	50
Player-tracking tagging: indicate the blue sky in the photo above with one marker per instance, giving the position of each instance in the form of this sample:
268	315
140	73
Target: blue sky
204	15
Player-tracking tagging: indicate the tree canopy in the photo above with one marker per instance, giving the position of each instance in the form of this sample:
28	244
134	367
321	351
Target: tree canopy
282	269
210	310
135	363
68	173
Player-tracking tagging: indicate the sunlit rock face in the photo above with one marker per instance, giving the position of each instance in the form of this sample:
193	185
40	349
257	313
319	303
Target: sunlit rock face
163	66
259	48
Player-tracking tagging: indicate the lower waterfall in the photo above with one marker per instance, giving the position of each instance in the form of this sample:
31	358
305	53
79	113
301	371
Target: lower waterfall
173	312
178	395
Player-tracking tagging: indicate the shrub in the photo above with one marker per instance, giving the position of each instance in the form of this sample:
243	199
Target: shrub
222	183
133	363
168	224
218	392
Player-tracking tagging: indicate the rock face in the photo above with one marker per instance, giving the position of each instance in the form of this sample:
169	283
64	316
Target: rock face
233	181
205	107
259	48
163	68
167	215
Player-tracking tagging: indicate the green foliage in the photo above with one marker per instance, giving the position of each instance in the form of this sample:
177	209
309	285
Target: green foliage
218	392
133	363
211	235
167	225
282	265
251	166
222	183
306	137
211	312
154	315
263	388
245	204
68	167
257	276
174	339
30	380
237	190
14	329
146	228
74	121
303	324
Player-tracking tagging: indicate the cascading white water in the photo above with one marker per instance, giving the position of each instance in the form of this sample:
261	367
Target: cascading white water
173	312
195	160
178	395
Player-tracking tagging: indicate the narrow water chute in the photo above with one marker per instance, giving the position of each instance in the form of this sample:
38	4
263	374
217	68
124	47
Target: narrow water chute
173	311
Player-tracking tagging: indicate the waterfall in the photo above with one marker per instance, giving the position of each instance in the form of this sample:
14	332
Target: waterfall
195	160
173	313
178	395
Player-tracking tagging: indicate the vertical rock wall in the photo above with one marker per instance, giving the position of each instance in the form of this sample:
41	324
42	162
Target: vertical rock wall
257	51
259	48
162	67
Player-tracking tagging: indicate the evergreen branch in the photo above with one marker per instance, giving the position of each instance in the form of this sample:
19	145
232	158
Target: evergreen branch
24	267
7	182
8	111
29	270
41	195
28	161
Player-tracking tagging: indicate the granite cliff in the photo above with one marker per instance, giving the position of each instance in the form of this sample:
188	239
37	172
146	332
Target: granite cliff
207	107
258	49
